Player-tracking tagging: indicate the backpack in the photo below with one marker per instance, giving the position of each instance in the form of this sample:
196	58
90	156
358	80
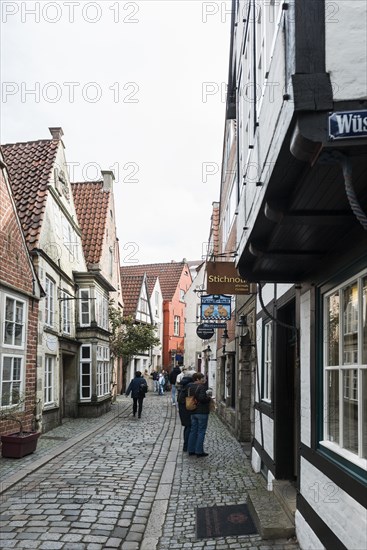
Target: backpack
143	388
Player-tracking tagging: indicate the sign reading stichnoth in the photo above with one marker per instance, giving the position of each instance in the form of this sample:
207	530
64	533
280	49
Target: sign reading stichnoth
223	278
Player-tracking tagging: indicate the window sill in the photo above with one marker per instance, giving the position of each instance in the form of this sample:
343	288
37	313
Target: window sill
347	455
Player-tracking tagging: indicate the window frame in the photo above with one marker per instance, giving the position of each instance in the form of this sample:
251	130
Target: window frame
19	381
341	369
49	301
66	313
267	363
103	371
176	325
49	376
85	361
81	302
13	345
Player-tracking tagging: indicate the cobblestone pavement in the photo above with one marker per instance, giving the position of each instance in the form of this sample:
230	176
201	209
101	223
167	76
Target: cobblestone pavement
121	483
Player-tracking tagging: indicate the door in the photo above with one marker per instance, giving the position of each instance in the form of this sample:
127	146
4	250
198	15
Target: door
69	387
285	405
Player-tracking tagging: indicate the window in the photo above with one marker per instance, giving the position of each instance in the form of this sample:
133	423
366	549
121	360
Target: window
182	295
85	372
267	363
70	239
65	313
345	370
49	380
14	322
101	310
11	380
84	308
50	302
103	371
176	326
111	261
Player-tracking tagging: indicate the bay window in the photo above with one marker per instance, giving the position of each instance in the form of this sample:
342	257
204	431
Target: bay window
103	371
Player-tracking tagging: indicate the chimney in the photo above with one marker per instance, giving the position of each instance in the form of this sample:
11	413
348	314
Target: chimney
108	179
56	132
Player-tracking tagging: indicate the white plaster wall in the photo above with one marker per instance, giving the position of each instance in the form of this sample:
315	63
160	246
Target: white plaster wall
344	515
305	405
346	52
255	461
157	312
268	432
305	536
193	344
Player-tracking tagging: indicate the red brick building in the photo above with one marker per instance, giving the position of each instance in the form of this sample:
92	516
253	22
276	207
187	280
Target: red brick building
20	292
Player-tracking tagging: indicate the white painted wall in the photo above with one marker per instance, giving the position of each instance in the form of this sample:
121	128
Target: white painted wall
157	313
344	515
346	52
305	536
193	344
268	432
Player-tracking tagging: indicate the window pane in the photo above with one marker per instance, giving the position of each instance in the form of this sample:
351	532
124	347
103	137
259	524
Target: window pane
85	352
5	394
7	368
333	330
350	324
364	324
364	413
350	410
332	412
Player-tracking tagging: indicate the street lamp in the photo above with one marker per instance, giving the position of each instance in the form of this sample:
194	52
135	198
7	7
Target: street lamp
224	339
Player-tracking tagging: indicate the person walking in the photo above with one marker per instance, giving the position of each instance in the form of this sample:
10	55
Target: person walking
161	383
185	415
172	378
155	376
138	388
200	416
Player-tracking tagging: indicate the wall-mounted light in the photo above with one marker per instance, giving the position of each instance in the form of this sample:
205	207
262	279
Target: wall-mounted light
245	335
224	340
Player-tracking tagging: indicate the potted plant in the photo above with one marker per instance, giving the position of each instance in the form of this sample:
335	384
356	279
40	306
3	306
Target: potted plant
21	442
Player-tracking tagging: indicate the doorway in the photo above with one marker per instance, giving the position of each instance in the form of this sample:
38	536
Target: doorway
285	394
69	387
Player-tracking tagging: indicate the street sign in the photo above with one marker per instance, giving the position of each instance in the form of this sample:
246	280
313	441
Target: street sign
347	124
214	326
205	332
223	278
215	307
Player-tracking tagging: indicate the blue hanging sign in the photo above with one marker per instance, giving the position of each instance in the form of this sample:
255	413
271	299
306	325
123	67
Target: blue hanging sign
347	124
216	307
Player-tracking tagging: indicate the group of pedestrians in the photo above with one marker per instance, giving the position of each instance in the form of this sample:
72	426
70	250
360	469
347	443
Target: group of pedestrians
184	383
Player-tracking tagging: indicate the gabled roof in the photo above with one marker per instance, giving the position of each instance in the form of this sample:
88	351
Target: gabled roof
131	289
30	166
91	204
169	275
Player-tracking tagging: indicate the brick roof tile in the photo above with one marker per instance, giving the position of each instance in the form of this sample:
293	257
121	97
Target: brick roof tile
169	275
91	204
30	166
131	287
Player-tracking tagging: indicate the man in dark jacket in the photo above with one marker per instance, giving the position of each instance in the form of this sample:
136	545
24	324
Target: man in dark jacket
172	379
200	416
138	388
185	415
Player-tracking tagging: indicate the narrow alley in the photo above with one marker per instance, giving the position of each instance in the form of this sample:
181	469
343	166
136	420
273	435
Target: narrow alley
123	483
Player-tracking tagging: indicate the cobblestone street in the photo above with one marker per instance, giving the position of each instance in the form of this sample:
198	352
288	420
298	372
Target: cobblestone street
123	483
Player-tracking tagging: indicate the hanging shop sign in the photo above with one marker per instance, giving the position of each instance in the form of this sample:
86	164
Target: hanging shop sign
347	124
215	307
223	278
205	331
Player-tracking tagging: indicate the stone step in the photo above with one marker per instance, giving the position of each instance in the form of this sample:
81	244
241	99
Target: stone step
286	493
269	516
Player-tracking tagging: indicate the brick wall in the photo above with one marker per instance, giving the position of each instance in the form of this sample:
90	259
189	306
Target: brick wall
16	276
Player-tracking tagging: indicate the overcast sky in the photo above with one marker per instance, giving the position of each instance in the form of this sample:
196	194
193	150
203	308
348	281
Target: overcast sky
138	87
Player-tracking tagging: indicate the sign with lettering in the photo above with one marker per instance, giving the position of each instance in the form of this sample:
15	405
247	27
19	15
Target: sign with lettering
216	307
348	124
204	331
223	278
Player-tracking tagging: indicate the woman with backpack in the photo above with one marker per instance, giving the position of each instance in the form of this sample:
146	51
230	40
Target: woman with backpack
138	388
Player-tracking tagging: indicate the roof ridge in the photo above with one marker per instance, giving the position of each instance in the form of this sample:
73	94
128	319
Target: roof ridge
30	142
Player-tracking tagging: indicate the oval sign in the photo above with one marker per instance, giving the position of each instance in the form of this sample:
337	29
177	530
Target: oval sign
204	333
